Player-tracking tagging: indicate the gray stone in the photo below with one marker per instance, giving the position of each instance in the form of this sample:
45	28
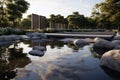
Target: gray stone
103	43
24	37
117	37
111	59
80	42
36	53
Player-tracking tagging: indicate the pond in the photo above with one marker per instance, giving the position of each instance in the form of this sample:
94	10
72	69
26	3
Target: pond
60	62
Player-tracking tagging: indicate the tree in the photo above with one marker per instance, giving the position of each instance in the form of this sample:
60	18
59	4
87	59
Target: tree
13	10
26	22
76	20
109	13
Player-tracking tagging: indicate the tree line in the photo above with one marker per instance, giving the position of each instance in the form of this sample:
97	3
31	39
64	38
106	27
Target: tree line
105	15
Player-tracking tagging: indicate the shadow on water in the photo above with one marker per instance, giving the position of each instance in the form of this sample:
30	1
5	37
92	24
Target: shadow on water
11	59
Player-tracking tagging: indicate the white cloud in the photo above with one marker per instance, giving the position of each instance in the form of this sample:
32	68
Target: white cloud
63	7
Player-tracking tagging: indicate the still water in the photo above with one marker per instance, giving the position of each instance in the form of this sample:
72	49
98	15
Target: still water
60	62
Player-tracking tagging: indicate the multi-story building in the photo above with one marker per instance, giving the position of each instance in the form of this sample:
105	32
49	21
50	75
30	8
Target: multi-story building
38	22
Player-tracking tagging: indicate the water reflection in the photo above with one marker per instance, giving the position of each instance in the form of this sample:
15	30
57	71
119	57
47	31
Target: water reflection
11	59
60	62
63	63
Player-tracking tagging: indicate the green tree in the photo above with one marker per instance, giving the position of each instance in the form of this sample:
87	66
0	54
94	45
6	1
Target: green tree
13	11
108	14
26	22
76	20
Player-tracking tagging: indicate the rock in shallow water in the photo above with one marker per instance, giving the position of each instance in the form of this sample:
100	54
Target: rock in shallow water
111	59
36	53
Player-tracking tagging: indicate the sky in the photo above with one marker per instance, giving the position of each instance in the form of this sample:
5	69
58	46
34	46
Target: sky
63	7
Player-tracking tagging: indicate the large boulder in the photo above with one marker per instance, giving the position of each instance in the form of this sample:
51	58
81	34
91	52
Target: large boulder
101	46
116	42
80	42
36	53
111	59
117	47
117	37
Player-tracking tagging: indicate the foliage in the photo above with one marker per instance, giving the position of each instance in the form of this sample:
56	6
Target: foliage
77	20
11	12
107	14
57	19
26	22
8	31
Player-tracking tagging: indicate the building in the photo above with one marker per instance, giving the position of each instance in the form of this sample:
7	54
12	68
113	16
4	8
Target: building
38	22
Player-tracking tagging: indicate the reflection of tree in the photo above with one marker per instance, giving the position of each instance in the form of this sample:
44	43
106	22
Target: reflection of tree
52	44
10	59
16	53
94	54
76	48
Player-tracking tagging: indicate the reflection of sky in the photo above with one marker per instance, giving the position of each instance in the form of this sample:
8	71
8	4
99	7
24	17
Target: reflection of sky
63	64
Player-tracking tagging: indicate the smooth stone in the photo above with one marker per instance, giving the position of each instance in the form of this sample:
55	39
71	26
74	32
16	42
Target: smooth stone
36	53
24	37
101	46
116	37
111	59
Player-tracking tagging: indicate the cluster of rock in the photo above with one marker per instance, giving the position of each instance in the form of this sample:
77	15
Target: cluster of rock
108	50
9	39
110	57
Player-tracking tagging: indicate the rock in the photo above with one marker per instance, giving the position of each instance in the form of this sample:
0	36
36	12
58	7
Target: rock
36	53
117	47
111	59
103	43
41	48
80	42
116	37
24	37
116	42
67	40
101	46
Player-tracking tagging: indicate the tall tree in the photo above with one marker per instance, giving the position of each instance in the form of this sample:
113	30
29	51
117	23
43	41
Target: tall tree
109	13
26	22
76	20
14	10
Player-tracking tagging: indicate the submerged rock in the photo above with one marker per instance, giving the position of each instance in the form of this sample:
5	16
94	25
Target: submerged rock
36	53
111	59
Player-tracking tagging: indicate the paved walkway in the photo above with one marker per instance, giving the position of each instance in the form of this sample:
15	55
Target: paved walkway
62	35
